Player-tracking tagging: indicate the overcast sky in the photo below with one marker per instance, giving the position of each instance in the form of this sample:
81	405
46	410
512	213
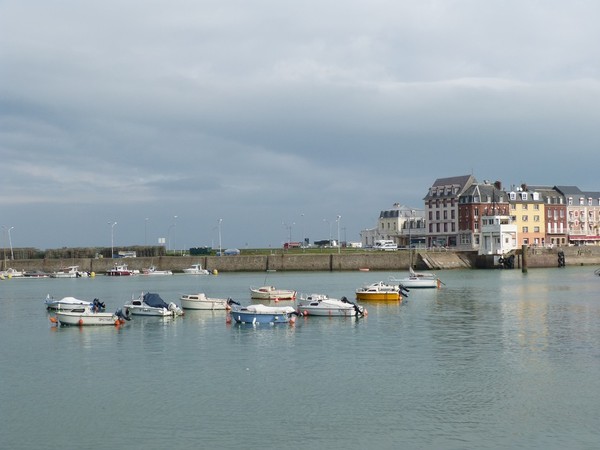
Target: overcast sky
277	117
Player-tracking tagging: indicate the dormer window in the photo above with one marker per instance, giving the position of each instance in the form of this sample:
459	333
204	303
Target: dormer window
512	195
523	196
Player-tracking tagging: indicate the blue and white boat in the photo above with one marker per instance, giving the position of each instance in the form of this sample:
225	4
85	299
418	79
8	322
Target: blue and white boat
259	313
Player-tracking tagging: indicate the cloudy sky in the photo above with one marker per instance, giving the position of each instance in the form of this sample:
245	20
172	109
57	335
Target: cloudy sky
276	117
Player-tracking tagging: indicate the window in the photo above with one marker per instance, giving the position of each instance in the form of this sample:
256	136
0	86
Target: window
581	201
524	206
536	229
452	214
525	229
536	218
512	196
525	218
590	201
536	206
523	196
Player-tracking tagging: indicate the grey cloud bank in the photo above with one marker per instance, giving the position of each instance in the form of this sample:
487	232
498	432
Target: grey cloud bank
279	117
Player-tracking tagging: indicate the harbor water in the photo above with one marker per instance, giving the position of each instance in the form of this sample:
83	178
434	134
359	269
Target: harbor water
492	360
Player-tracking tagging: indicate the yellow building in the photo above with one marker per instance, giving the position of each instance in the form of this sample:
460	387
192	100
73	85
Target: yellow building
527	211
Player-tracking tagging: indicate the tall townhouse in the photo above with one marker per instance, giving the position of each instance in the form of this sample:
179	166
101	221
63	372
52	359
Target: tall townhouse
441	210
583	215
555	213
527	211
477	201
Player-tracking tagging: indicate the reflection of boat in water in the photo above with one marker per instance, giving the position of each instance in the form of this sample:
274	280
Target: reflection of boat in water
257	314
322	305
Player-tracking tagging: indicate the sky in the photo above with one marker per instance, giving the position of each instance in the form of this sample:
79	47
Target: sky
243	124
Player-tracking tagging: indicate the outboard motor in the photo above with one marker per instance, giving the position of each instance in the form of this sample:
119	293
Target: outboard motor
123	315
231	301
403	290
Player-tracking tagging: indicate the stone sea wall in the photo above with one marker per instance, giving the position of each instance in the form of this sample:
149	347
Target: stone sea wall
387	261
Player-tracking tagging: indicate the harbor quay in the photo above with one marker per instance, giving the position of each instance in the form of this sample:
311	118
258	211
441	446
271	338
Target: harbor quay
368	260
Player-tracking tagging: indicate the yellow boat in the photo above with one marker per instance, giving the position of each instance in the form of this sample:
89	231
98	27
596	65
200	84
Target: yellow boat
379	292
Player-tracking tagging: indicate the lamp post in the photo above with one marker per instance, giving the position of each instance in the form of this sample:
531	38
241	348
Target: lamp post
112	238
169	232
303	237
329	222
10	243
220	249
146	232
338	229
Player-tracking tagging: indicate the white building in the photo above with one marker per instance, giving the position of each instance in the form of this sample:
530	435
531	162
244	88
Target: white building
498	235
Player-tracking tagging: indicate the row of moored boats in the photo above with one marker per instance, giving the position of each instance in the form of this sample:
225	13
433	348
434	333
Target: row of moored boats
73	311
119	270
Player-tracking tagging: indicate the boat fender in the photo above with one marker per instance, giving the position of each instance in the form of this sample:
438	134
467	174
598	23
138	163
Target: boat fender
80	321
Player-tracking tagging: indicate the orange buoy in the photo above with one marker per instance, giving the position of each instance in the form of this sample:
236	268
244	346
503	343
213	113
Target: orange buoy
80	321
305	313
228	318
366	313
292	320
53	320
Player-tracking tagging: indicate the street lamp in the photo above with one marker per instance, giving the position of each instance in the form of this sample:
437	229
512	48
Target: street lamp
329	222
338	227
169	232
146	232
112	238
220	250
10	243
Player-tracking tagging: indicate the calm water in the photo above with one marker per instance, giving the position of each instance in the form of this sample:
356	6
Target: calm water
495	359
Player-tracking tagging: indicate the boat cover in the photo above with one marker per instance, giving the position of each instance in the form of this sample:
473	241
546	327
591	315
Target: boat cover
264	309
155	301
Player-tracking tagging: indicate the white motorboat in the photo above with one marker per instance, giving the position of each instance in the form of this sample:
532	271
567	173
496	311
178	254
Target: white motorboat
418	280
89	316
196	269
69	272
271	293
71	303
322	305
152	270
201	301
257	314
12	273
149	304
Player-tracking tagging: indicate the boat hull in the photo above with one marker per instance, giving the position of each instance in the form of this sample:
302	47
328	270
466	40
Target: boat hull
272	294
148	311
326	312
81	319
261	314
379	296
206	303
418	283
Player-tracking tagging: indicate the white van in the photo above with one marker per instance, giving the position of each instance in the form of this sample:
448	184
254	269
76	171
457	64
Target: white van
385	244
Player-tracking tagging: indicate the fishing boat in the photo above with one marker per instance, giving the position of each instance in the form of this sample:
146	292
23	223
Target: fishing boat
380	291
201	301
150	304
322	305
119	270
71	303
418	280
271	293
87	315
196	269
259	313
